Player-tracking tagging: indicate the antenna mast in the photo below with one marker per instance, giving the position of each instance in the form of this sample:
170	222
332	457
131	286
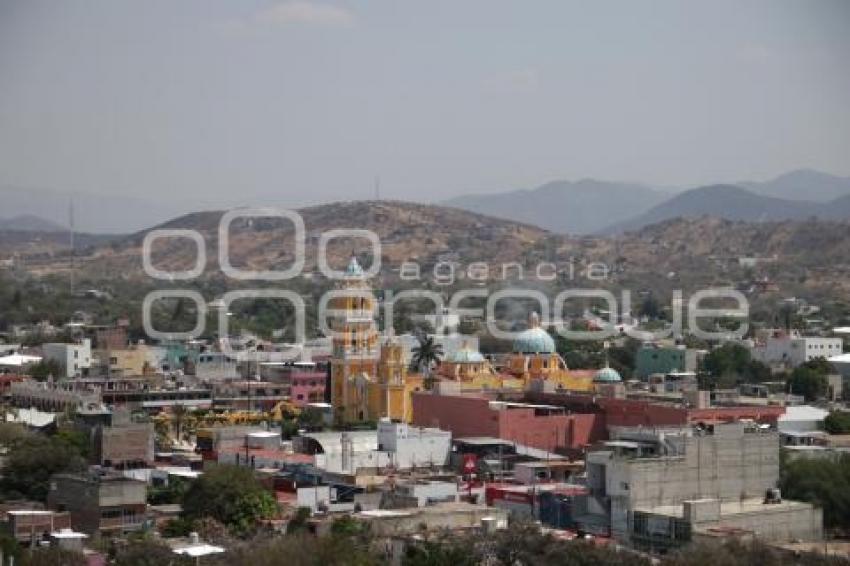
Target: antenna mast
71	238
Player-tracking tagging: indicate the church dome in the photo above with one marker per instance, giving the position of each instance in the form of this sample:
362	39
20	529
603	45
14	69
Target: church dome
535	340
354	270
607	375
465	355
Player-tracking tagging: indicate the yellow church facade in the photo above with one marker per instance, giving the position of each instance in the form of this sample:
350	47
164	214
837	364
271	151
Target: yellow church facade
369	377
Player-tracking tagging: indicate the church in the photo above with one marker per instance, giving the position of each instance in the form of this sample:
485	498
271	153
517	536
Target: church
369	373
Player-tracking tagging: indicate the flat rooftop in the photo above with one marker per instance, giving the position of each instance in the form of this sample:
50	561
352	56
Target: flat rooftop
751	506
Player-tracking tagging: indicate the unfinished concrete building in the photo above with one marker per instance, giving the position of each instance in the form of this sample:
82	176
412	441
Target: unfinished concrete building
100	502
658	488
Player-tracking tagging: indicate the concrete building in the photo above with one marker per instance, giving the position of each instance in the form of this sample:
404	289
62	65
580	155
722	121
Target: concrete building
546	427
31	525
126	361
31	393
841	363
655	359
99	502
116	440
244	395
427	492
397	522
414	447
657	488
802	418
789	351
612	412
304	381
216	366
392	445
74	359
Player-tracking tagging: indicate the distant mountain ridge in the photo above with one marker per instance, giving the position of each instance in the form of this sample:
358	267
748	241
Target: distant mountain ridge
587	206
93	213
579	207
731	202
599	207
30	223
804	185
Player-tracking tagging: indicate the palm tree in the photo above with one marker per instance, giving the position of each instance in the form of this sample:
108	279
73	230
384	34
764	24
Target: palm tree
426	354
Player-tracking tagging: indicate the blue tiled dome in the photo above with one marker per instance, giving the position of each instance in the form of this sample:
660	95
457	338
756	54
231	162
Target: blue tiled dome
608	375
534	341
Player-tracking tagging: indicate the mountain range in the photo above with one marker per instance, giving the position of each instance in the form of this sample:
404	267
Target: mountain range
600	207
586	206
731	202
686	253
581	207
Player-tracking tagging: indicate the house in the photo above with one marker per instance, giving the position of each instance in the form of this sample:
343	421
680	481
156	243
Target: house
792	350
99	502
74	359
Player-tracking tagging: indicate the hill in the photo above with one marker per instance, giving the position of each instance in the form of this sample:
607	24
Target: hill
803	184
93	213
799	255
734	203
580	207
30	223
407	231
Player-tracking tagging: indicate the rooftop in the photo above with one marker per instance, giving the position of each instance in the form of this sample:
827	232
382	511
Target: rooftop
753	505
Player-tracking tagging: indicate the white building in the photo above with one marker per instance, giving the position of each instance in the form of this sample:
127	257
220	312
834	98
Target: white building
414	447
17	362
801	418
74	359
216	366
841	363
395	445
791	351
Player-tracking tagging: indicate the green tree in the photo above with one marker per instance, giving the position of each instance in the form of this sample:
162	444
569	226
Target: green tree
76	439
808	382
440	552
145	552
303	549
311	419
32	459
298	522
650	307
732	364
822	481
426	354
52	556
837	422
231	495
44	369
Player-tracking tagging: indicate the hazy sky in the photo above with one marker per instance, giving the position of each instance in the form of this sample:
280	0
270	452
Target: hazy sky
309	101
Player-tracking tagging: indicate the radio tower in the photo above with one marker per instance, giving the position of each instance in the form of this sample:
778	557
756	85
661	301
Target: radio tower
377	188
71	238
